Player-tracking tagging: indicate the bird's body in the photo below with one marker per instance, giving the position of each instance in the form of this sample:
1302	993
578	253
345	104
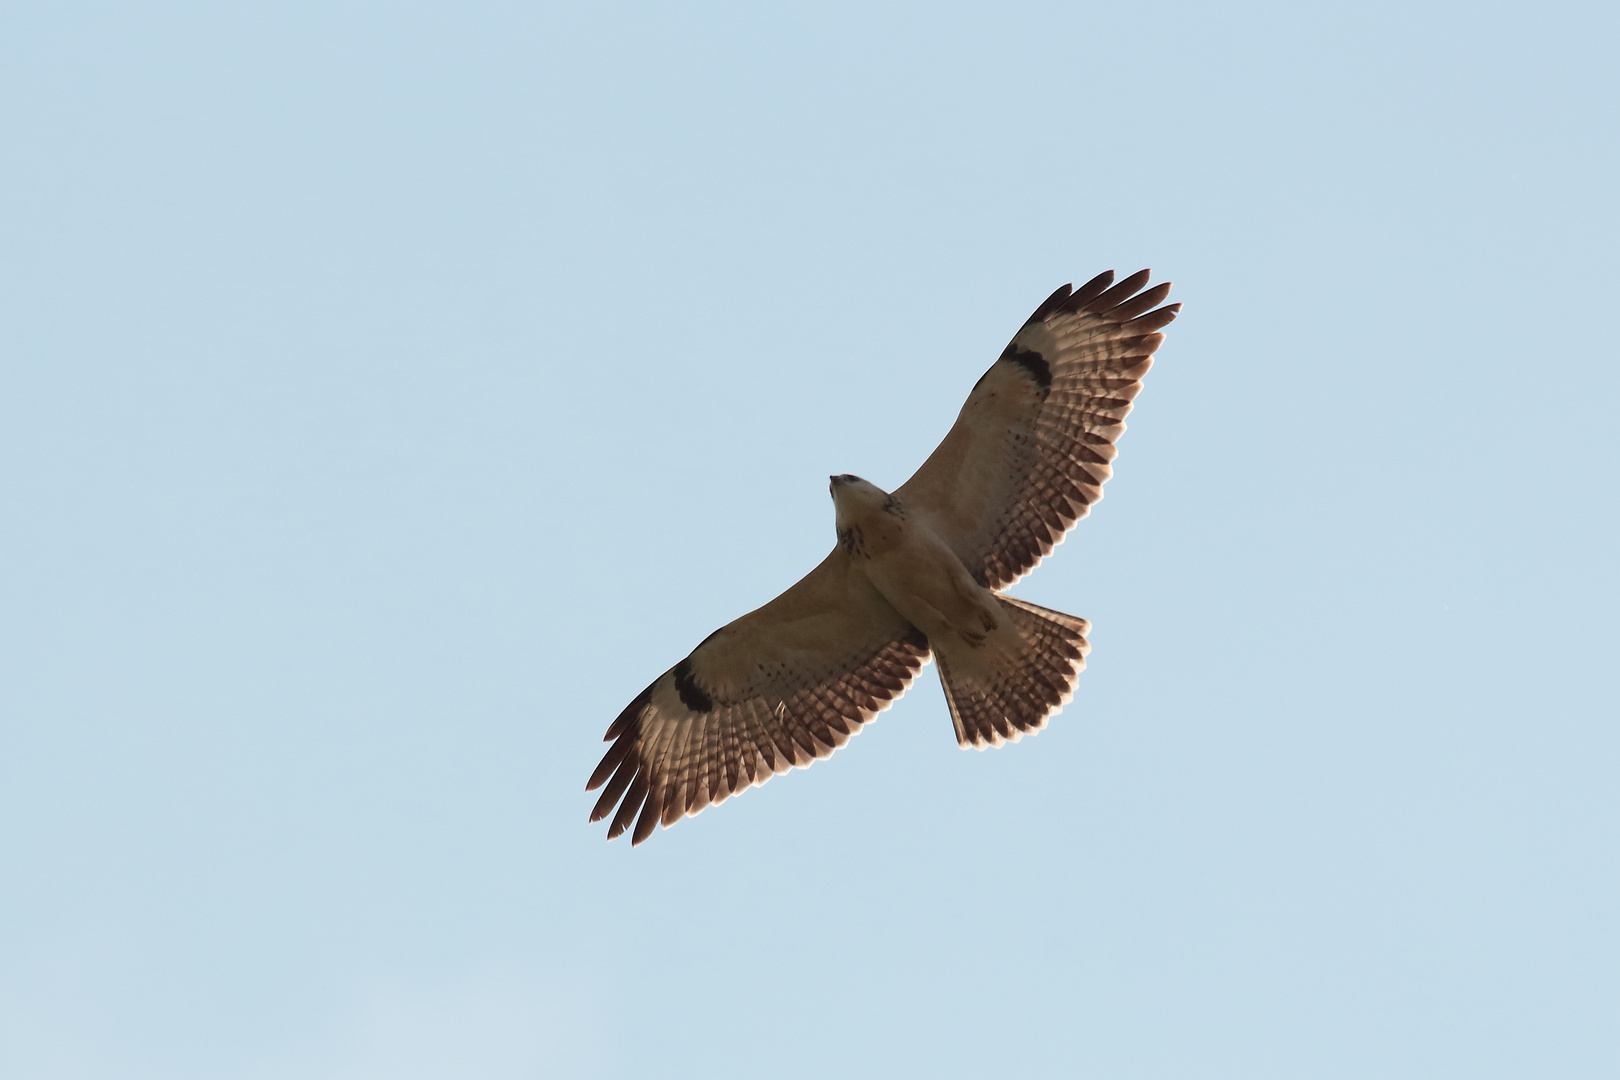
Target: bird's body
910	565
915	573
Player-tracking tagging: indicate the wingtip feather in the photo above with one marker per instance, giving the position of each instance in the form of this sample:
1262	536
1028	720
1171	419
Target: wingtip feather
1121	292
1136	305
1052	303
1090	290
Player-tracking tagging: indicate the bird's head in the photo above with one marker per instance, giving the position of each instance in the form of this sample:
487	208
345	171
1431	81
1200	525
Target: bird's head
855	499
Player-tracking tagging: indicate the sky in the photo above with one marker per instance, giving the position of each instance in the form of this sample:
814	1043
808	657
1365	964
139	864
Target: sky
389	392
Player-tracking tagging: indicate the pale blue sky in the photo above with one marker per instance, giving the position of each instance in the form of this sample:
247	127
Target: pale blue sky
390	391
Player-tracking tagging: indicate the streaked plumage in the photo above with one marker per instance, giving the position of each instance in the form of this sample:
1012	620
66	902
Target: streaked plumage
914	573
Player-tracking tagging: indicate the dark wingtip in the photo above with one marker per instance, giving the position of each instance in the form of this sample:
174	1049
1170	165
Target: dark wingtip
627	809
1141	302
610	762
632	712
622	778
1050	304
1090	290
651	812
1153	320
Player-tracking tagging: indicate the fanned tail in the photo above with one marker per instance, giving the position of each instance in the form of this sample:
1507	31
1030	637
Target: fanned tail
992	704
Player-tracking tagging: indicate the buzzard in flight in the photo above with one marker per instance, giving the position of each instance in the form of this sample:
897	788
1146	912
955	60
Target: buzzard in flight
916	572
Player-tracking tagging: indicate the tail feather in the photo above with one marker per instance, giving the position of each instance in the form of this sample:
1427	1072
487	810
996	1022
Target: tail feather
1002	703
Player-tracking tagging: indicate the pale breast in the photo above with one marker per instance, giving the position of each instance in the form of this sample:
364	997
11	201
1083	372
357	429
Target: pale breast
923	578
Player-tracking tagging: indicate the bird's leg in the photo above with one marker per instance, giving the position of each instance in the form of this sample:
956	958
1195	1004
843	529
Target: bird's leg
980	600
934	622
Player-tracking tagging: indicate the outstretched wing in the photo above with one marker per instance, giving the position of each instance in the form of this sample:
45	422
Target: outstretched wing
1030	451
780	687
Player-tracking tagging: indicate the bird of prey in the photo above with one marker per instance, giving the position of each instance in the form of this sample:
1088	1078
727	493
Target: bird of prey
915	572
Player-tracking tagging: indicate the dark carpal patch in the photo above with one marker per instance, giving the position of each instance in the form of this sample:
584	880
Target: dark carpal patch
1032	362
693	696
